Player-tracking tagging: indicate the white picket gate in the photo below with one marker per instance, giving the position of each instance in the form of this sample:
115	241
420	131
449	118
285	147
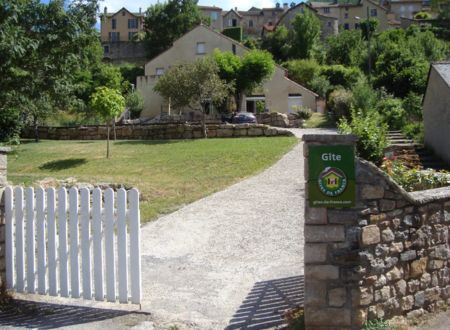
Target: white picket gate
57	239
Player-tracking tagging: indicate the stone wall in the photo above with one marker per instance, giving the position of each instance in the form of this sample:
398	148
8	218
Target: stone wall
278	119
3	166
154	132
387	257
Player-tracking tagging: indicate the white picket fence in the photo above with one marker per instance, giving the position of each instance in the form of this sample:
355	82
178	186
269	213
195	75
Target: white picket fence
57	239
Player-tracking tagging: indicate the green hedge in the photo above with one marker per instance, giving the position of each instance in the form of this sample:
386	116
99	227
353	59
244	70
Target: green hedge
233	32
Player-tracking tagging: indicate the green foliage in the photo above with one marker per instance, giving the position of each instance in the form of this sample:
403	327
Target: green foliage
302	112
347	48
340	102
422	15
412	104
305	35
233	33
414	179
369	27
135	103
442	7
166	22
295	318
130	72
107	102
278	43
44	50
10	125
365	97
321	86
415	131
371	133
251	43
107	75
392	111
303	71
339	75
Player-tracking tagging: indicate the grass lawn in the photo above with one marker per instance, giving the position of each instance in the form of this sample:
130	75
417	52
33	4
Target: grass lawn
167	173
319	120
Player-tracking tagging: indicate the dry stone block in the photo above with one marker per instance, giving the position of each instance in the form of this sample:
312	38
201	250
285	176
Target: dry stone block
337	297
387	205
360	317
387	235
372	192
315	293
370	235
332	233
315	215
338	317
418	267
315	253
407	303
322	272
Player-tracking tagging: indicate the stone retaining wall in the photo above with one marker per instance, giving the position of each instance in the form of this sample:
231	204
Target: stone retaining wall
387	257
278	119
153	132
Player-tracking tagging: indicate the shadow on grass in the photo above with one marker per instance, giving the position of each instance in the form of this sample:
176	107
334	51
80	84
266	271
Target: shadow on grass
63	164
29	314
148	142
265	305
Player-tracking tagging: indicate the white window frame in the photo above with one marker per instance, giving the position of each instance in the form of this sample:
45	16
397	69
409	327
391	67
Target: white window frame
201	48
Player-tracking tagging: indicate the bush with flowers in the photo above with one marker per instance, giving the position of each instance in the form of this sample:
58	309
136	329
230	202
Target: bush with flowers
414	179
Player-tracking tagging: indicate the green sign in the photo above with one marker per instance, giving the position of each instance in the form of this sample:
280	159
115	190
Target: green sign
331	176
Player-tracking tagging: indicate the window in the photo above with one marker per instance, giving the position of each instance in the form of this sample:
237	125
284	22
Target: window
329	24
233	49
201	48
132	23
346	26
131	35
326	10
234	22
356	26
250	23
346	15
113	23
159	72
114	36
373	12
106	49
214	16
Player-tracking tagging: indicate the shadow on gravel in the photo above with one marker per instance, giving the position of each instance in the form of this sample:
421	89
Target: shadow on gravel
266	303
30	314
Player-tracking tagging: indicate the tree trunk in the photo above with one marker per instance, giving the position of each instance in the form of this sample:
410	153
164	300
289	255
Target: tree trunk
204	130
238	100
107	140
36	131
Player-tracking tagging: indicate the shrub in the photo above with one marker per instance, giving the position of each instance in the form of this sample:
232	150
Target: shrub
303	71
377	325
303	112
340	102
339	75
10	125
135	104
364	96
371	133
412	104
414	179
392	111
414	131
422	15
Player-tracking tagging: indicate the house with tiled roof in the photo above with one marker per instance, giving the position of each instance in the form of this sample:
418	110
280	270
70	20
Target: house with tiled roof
436	110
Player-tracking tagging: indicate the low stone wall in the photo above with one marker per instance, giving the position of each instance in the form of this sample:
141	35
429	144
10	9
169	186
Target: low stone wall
154	132
387	257
278	119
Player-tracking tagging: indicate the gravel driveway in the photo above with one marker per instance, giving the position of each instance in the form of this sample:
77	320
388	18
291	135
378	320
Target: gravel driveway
217	262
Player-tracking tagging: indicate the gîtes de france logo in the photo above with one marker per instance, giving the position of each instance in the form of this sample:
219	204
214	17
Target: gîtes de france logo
332	181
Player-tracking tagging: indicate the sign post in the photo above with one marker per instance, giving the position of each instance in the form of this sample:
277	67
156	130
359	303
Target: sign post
331	181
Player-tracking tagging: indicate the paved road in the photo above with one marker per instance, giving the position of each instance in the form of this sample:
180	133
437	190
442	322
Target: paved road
215	262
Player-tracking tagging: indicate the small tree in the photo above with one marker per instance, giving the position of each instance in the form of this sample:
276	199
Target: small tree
135	104
193	85
108	103
305	35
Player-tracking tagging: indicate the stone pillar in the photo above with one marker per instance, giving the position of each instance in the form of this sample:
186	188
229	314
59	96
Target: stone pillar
329	270
3	182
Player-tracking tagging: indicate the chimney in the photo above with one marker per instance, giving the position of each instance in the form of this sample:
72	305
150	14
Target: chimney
140	10
235	8
105	10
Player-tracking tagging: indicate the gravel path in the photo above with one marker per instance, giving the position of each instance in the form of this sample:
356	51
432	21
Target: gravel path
201	263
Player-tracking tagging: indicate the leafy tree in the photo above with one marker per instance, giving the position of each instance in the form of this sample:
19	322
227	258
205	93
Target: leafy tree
369	27
340	102
412	104
108	103
244	73
303	71
392	111
305	35
193	85
339	75
43	50
130	72
365	97
347	48
107	75
278	43
135	103
166	22
442	7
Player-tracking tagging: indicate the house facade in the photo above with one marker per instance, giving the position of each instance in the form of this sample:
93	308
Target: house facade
407	8
279	94
436	110
328	24
350	13
117	31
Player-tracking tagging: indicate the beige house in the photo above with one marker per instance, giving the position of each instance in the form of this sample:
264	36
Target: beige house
329	24
406	8
279	93
436	110
215	14
351	13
